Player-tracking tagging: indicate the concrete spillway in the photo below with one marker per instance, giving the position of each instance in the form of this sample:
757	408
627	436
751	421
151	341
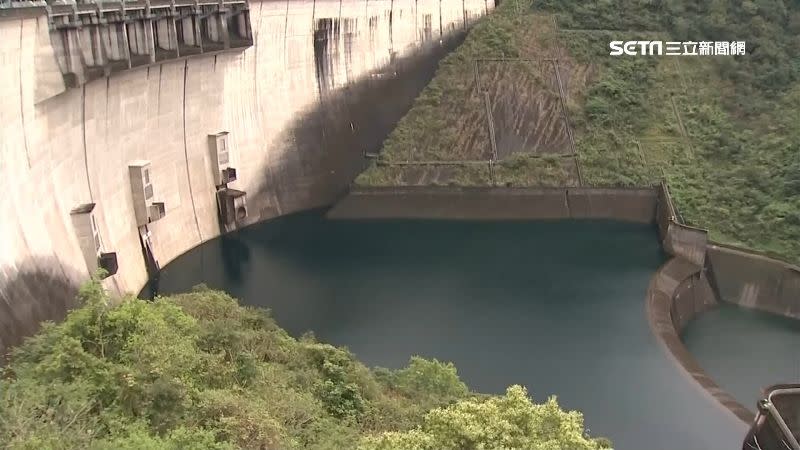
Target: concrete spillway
323	83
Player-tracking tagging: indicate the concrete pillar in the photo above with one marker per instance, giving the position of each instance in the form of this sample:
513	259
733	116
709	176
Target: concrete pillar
106	42
117	42
213	28
85	42
164	33
72	40
100	49
138	38
149	39
173	35
187	31
61	50
241	25
198	37
222	17
126	43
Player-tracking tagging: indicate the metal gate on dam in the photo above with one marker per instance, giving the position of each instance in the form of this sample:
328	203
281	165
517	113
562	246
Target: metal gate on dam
136	130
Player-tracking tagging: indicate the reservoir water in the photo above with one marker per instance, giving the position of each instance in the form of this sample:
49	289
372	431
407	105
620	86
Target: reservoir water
744	350
556	306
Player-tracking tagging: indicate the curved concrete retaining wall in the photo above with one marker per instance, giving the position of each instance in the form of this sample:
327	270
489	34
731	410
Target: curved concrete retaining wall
299	106
701	274
678	291
736	275
500	203
755	281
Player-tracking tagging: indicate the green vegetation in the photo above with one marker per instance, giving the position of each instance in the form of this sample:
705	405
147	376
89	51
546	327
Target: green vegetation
723	130
199	371
736	169
509	422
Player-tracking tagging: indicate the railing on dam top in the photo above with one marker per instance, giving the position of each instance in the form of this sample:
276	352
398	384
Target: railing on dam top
93	39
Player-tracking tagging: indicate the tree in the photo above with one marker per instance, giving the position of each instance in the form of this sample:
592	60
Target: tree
508	422
199	371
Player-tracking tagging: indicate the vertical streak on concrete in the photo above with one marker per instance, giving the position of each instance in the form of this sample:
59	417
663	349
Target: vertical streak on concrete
286	24
567	204
416	21
158	98
126	49
391	33
186	151
85	152
256	34
342	36
105	114
313	42
21	91
441	29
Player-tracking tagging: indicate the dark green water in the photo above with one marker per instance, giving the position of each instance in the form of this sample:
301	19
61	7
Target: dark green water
555	306
745	350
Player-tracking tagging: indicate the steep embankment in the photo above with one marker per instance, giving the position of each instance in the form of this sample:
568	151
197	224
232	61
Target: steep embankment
557	110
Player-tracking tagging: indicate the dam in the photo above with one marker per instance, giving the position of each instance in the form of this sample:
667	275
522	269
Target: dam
171	143
296	110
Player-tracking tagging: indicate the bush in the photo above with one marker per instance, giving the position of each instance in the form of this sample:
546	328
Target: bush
198	371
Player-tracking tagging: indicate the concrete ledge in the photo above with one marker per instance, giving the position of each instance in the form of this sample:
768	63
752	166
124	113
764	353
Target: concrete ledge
677	292
22	12
496	203
632	205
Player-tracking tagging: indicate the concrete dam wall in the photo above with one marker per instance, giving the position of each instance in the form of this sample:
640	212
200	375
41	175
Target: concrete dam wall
323	82
756	281
497	203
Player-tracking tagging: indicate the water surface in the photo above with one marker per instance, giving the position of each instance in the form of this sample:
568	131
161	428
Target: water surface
555	306
744	350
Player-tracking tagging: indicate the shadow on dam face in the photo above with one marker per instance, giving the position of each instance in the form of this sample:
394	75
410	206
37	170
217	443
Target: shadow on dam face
35	291
322	150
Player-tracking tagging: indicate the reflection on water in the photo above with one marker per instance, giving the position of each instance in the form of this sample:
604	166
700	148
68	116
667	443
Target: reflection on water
556	306
745	350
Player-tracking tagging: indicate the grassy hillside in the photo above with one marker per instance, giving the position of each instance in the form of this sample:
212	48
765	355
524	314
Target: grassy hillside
724	131
197	371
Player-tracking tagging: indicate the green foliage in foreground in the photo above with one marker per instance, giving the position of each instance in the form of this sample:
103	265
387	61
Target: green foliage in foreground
509	422
197	371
